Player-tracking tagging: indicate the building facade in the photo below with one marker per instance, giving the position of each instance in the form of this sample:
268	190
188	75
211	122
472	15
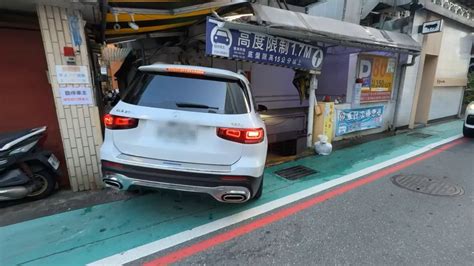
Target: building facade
63	84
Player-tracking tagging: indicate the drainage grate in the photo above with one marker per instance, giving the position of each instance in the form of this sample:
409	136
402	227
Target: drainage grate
427	185
295	172
419	135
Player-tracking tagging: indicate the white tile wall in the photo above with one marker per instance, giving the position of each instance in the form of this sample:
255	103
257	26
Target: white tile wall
79	125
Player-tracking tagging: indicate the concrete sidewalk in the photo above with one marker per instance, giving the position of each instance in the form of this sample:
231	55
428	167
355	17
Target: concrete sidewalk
85	235
12	212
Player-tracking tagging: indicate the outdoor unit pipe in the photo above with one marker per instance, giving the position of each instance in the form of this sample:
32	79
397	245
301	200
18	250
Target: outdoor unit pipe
402	76
413	57
312	103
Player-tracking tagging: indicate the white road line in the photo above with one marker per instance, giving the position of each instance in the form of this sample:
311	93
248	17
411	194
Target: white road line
164	243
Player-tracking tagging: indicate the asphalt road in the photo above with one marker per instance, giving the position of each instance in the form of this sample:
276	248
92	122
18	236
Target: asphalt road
378	223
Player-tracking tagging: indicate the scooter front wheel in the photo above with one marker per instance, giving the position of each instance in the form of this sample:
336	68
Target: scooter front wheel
46	185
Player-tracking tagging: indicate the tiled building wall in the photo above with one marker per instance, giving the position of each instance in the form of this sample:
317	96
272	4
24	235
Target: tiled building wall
79	124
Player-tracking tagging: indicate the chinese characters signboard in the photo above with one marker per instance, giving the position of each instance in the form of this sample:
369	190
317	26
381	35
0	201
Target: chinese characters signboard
328	118
376	73
260	48
67	74
352	120
76	95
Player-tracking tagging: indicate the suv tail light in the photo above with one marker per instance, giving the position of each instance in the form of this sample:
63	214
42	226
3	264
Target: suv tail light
119	122
242	135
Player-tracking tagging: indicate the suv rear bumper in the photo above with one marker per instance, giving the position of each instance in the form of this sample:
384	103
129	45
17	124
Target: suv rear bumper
224	188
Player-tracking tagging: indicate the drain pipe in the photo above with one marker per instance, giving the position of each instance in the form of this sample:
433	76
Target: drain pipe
312	103
403	71
412	63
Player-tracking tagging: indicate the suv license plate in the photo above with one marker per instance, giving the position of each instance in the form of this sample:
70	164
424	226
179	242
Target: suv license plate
53	161
178	132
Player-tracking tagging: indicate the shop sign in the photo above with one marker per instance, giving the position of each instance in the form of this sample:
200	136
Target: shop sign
431	27
68	74
352	120
76	95
450	82
377	74
260	48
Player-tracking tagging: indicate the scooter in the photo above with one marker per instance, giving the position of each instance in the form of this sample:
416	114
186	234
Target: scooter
26	170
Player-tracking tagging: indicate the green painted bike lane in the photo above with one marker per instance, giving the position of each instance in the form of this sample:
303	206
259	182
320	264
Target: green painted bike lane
86	235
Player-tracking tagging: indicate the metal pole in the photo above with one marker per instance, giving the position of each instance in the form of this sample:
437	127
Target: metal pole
312	103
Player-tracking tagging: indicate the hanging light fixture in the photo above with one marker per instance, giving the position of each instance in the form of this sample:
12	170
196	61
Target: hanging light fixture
132	23
116	25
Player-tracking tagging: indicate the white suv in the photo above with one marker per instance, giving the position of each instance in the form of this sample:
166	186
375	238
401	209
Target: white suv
186	128
468	128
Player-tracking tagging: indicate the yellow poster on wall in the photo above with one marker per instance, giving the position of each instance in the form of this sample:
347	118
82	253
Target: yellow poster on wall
324	120
328	128
376	73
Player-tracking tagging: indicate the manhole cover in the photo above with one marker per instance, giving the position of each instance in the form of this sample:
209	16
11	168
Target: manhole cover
427	185
419	135
295	172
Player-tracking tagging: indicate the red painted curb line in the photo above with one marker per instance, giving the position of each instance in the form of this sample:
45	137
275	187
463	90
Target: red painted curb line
279	215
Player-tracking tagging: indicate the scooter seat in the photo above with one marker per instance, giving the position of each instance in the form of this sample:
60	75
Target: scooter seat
11	136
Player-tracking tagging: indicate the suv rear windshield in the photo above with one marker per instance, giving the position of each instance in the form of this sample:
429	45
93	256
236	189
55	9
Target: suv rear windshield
188	93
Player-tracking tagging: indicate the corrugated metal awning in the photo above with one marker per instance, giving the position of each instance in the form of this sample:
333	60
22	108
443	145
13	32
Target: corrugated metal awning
173	15
295	25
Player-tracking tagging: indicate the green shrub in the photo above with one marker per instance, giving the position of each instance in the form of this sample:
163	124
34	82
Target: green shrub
469	93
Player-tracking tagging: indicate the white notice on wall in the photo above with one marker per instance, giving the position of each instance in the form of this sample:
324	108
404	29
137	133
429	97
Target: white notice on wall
67	74
76	95
356	95
391	66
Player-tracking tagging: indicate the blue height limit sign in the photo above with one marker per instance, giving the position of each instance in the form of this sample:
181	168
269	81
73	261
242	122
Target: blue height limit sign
260	48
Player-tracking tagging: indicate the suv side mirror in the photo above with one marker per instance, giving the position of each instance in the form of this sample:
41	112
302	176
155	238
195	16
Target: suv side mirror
261	108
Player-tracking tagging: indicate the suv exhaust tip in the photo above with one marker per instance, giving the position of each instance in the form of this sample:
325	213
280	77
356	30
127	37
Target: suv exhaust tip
234	198
112	184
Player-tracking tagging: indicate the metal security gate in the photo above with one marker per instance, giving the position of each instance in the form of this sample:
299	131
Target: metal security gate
27	100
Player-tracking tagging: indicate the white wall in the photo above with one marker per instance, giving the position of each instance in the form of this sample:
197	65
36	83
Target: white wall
445	102
351	76
455	54
407	93
453	62
407	90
